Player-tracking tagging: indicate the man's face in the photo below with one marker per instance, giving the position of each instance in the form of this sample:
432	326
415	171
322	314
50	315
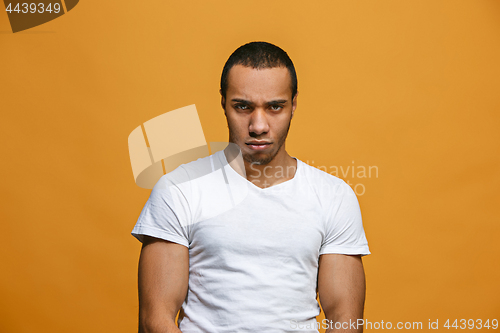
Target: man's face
259	108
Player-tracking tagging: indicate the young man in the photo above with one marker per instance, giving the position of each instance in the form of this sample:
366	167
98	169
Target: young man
246	246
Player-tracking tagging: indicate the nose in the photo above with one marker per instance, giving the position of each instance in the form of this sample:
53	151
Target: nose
258	122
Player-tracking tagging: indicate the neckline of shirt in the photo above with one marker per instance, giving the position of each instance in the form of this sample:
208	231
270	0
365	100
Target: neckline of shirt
224	162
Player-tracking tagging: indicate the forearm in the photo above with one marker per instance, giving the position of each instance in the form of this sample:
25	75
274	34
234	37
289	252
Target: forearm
344	324
158	326
158	318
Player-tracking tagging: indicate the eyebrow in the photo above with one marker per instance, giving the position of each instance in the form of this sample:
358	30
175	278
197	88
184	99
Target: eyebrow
244	101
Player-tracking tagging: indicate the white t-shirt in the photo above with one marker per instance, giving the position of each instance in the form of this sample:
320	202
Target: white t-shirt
253	252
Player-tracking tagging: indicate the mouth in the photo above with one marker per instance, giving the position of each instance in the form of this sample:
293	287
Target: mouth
258	145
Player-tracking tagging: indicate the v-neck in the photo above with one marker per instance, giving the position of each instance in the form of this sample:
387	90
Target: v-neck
289	182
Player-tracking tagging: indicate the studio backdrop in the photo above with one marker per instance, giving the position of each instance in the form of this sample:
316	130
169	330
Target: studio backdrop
398	98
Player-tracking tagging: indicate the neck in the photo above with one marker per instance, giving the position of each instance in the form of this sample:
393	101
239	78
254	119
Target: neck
282	168
279	170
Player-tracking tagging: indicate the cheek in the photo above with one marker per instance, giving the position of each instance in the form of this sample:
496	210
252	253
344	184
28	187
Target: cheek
284	127
236	127
281	123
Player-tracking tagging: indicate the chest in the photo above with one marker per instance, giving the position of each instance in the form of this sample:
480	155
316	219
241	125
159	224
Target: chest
265	228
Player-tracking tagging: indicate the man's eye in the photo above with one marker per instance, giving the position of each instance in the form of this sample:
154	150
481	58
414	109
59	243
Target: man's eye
276	107
241	107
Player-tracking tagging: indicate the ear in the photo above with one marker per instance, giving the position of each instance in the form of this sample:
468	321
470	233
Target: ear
222	101
294	104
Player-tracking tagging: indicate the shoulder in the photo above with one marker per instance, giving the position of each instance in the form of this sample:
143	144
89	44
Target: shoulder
188	172
329	190
320	178
193	182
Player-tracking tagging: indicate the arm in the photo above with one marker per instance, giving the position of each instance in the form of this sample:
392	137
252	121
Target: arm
163	284
341	288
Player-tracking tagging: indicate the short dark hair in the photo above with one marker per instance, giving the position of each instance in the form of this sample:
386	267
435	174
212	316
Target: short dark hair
259	55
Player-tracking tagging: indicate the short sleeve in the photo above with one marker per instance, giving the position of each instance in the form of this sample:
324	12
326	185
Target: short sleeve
344	233
165	215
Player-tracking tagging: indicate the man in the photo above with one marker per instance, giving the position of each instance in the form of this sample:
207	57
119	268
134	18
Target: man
247	246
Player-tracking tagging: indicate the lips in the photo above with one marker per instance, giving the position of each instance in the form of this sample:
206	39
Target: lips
258	145
258	142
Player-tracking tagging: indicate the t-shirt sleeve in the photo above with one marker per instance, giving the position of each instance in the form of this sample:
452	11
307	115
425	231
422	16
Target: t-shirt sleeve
344	233
165	215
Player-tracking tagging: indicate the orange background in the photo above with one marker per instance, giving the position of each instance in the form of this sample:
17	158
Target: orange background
408	86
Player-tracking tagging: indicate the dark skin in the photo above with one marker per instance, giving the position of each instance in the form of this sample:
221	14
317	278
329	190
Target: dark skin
258	107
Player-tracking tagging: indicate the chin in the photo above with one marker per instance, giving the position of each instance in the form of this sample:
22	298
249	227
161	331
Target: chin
263	160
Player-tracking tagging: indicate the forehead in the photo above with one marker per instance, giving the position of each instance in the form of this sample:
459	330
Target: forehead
264	83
